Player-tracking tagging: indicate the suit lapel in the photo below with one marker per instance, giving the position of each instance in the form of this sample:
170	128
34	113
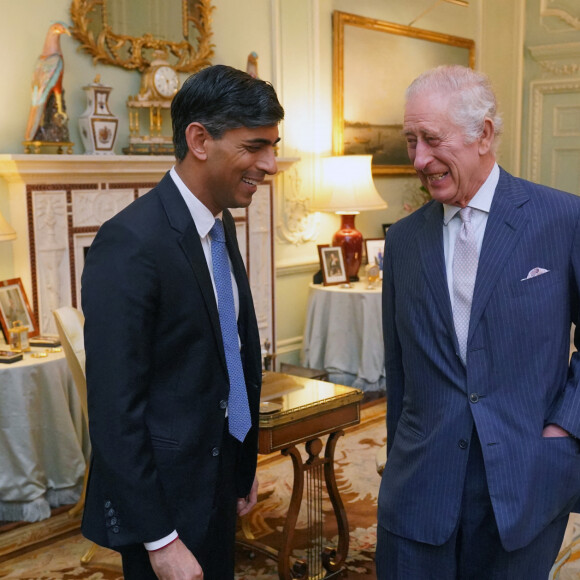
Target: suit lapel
430	242
180	220
506	222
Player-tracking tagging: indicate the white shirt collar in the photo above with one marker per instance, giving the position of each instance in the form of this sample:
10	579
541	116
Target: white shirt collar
481	200
202	217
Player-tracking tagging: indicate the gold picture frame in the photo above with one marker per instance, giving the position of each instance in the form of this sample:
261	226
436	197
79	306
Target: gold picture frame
373	63
14	306
332	265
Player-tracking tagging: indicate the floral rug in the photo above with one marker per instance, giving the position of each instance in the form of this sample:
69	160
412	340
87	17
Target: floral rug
358	483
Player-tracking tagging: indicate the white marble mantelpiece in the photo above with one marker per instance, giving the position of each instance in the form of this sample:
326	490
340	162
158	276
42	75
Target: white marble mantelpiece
58	202
35	169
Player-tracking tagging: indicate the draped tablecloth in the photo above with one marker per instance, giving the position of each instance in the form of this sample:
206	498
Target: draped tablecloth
43	438
344	335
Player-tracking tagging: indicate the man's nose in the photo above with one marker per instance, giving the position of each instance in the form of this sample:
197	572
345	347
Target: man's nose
267	162
422	156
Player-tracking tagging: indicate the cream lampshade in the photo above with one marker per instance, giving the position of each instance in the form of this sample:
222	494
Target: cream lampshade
347	188
7	232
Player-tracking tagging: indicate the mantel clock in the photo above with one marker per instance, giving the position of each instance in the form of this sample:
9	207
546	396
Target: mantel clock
159	83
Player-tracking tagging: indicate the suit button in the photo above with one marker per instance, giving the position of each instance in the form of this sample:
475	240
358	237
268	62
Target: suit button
223	404
115	530
215	451
474	397
463	444
111	512
113	521
107	504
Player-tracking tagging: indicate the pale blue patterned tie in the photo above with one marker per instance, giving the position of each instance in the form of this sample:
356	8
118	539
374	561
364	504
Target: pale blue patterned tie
465	260
238	408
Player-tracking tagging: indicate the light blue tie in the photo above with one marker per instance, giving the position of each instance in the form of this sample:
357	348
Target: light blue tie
239	417
465	261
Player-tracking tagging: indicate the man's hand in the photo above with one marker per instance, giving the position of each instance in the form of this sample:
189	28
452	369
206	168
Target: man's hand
552	430
175	562
245	504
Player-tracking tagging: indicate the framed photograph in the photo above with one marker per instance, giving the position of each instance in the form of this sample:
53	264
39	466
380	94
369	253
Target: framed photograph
14	306
373	63
332	265
375	248
385	228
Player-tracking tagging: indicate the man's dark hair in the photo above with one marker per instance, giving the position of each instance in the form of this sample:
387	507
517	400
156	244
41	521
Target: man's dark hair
222	98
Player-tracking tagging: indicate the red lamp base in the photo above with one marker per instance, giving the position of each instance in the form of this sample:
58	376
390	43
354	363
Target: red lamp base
351	240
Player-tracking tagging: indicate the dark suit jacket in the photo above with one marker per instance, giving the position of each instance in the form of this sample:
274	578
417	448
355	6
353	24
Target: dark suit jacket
157	376
518	378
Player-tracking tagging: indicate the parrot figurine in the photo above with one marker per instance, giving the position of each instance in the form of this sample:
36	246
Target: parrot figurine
252	65
47	81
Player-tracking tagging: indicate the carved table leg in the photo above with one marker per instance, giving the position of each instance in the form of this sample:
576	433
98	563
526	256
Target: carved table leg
334	560
291	519
320	562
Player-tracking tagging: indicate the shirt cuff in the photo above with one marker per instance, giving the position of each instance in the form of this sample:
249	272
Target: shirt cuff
157	545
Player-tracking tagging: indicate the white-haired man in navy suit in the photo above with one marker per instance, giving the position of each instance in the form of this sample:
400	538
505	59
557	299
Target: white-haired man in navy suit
483	404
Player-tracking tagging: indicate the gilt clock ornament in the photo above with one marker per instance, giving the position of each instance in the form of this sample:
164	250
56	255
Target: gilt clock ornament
97	125
149	123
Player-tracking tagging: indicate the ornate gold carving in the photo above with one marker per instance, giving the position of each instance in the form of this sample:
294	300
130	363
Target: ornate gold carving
130	52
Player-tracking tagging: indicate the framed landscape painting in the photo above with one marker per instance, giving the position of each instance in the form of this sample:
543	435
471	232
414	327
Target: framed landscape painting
373	63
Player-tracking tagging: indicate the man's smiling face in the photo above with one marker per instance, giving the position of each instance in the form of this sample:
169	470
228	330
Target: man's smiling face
449	167
237	163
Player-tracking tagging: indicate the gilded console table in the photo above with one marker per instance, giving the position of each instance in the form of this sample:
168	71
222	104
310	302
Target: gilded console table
297	410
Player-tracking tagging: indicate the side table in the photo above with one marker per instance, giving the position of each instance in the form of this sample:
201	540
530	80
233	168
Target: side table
297	410
344	335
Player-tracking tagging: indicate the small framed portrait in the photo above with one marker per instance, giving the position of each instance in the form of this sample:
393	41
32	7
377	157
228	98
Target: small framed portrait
375	248
385	228
332	265
14	306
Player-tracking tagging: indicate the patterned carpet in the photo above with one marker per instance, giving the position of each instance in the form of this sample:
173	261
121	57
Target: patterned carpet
358	483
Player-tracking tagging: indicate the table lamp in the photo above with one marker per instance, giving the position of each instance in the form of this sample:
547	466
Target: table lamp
7	232
347	188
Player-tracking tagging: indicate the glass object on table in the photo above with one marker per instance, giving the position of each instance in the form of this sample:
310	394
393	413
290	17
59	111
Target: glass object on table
19	337
373	273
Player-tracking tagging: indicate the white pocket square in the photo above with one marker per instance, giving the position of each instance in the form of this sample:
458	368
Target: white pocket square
535	272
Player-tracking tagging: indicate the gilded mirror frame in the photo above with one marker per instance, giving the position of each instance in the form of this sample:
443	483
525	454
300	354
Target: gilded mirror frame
128	52
371	65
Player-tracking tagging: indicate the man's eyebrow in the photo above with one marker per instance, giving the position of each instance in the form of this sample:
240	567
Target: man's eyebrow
260	140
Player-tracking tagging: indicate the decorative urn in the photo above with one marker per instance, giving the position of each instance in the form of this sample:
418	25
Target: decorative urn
97	125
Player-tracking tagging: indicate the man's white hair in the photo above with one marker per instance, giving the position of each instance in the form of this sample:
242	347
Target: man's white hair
472	98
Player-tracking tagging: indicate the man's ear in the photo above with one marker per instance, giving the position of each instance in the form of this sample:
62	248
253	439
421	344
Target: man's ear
196	137
487	137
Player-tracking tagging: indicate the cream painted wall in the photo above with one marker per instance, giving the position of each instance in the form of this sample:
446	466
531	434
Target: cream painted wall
293	39
552	61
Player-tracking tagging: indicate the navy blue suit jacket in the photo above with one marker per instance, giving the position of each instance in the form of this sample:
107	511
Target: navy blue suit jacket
517	380
157	376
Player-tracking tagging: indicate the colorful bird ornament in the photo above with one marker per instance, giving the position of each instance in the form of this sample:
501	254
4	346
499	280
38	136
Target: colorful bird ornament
252	64
47	81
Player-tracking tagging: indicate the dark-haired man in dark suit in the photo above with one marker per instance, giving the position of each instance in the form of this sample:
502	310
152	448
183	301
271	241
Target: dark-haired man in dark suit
173	353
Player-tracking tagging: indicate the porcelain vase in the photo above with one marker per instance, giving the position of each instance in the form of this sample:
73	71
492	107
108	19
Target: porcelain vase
97	125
